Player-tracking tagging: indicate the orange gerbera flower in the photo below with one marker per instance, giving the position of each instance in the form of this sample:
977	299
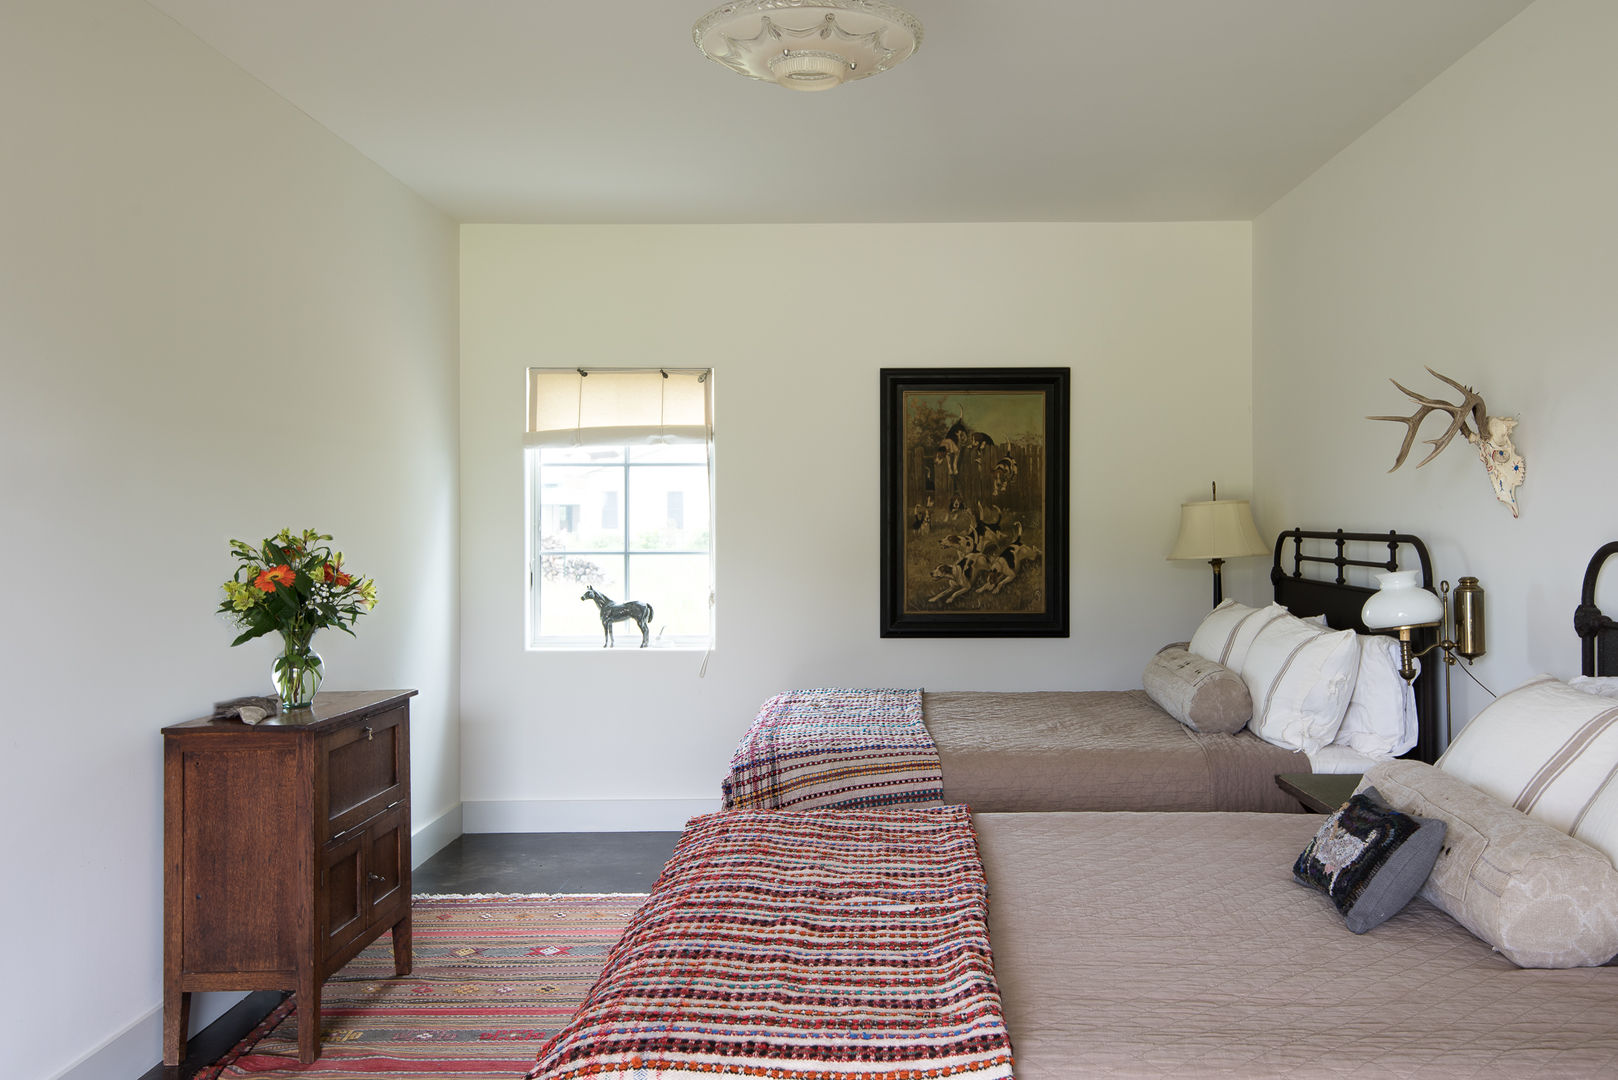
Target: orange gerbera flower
276	575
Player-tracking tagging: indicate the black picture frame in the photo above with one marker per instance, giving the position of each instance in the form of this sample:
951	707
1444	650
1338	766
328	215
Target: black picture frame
974	502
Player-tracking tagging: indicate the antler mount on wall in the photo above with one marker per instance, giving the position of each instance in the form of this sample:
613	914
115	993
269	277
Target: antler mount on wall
1489	435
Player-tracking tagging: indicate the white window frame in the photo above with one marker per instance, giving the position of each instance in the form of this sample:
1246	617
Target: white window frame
620	437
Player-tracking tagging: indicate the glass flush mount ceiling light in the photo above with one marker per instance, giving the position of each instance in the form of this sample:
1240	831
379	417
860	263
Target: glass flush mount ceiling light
807	44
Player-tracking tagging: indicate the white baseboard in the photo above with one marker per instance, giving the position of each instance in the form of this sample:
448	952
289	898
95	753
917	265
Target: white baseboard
582	815
134	1050
434	836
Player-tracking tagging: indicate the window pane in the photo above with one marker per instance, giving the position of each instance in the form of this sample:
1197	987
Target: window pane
669	454
633	521
668	508
563	579
581	507
677	588
581	455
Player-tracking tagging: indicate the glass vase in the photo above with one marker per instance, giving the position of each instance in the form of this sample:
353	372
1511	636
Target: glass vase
297	672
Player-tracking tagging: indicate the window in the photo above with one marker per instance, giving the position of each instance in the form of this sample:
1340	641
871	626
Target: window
619	471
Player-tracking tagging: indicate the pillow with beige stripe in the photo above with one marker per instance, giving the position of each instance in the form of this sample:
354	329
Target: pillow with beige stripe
1540	897
1301	678
1544	748
1598	822
1227	632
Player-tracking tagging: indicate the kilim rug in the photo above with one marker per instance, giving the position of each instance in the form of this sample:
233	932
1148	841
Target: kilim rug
494	977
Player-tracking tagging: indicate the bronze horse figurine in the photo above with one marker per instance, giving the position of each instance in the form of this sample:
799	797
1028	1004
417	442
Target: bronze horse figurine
629	610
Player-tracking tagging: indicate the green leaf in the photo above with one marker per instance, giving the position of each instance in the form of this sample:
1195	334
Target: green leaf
249	635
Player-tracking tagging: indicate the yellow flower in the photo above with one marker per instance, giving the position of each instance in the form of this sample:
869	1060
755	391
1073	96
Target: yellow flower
368	592
242	596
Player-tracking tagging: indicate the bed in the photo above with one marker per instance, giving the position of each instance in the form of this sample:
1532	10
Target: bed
1219	964
1077	750
1149	944
1598	634
1123	945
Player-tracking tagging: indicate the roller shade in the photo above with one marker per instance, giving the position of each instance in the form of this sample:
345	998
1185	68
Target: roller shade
584	407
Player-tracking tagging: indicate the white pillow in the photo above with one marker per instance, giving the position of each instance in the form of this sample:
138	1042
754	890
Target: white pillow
1545	748
1301	678
1381	720
1228	631
1605	685
1597	823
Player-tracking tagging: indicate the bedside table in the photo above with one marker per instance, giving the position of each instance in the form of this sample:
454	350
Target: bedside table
1322	793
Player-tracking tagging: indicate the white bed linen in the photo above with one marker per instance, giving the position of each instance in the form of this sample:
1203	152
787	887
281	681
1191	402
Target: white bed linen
1338	758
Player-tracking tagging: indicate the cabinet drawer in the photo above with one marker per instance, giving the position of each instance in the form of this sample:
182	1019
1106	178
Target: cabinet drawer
366	769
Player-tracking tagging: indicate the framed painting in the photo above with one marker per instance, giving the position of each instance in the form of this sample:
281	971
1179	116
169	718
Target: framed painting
974	502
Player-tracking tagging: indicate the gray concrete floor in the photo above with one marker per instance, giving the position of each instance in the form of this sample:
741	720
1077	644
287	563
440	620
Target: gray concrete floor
546	863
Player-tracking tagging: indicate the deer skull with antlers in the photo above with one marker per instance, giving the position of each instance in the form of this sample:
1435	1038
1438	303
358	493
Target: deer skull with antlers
1490	435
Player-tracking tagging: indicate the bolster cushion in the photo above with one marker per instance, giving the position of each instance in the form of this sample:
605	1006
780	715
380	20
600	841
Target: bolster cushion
1201	694
1542	898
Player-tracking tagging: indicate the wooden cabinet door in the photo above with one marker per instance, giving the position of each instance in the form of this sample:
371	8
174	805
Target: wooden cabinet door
366	768
344	912
387	865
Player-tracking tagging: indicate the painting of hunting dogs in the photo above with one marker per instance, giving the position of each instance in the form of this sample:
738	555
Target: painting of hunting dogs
974	502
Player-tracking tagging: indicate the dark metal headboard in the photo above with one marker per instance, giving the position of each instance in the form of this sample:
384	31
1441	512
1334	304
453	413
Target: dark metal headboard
1341	602
1598	634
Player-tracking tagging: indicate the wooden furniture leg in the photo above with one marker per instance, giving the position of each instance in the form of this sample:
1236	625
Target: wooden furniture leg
176	1025
401	947
308	1017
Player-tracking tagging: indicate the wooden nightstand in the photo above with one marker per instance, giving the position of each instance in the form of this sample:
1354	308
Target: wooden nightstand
1320	792
286	851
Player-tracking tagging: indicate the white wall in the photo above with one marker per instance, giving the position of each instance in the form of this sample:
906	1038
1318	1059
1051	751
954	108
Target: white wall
796	321
1474	230
215	320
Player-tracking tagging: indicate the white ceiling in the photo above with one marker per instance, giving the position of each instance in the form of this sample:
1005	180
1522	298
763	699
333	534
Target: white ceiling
603	111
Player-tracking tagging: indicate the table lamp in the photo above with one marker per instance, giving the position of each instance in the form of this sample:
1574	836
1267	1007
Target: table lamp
1217	531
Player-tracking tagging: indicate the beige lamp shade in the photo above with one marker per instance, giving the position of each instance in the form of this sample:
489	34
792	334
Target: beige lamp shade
1219	529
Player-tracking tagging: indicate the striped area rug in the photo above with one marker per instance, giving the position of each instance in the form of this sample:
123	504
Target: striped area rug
495	976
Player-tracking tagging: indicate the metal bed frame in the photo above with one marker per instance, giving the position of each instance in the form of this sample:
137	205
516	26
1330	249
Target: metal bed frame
1341	602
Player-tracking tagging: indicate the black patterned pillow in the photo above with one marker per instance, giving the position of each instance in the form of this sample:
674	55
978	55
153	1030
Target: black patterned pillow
1370	859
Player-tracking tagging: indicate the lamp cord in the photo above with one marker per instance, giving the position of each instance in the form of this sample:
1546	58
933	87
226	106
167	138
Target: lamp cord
1474	678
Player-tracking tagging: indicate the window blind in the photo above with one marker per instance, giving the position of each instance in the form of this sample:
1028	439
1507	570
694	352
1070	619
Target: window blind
589	406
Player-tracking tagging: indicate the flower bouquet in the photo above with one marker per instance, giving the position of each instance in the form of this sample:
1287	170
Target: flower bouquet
292	584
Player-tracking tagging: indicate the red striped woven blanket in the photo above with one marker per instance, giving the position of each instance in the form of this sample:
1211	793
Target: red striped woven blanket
827	945
828	748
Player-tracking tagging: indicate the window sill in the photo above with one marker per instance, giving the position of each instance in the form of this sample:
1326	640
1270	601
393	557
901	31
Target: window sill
569	648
